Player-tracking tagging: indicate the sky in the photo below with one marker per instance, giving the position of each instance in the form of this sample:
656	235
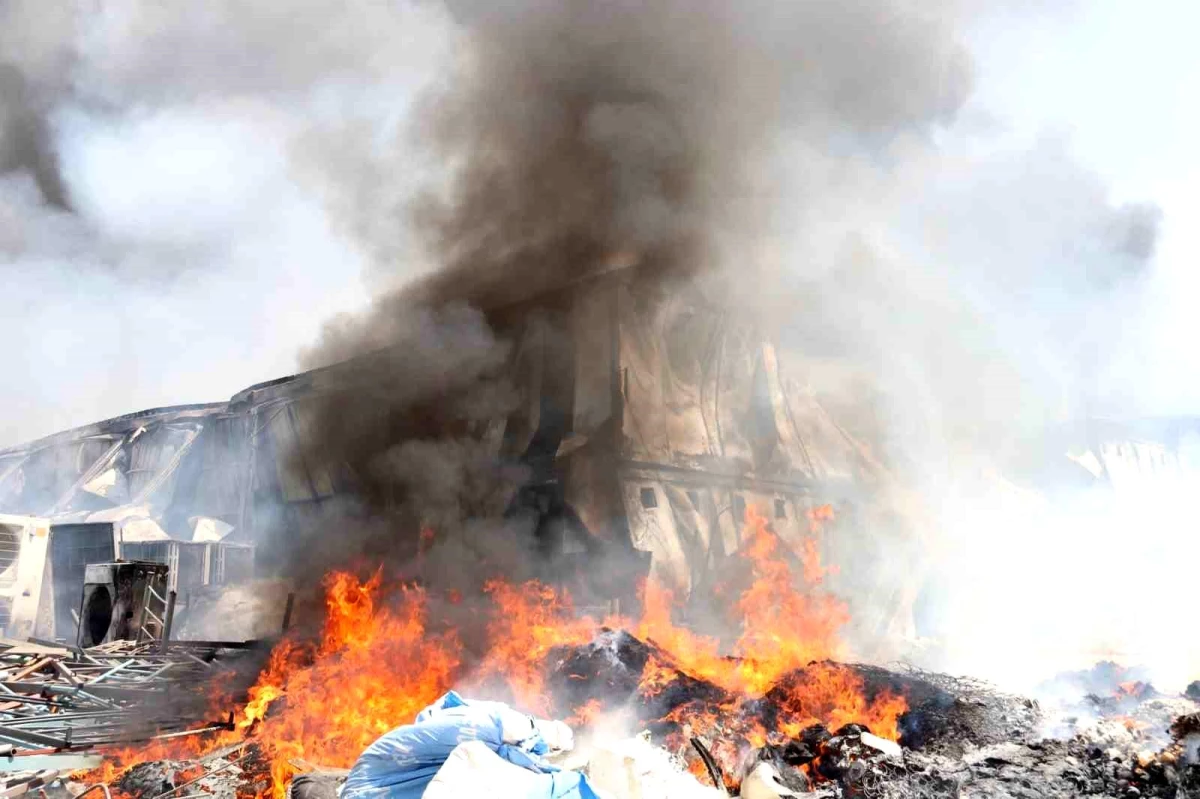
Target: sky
1116	80
208	181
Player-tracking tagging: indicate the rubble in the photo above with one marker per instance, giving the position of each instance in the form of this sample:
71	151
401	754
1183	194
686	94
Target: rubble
19	783
58	699
957	738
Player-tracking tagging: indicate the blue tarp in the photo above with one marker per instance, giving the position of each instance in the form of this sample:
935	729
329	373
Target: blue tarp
401	763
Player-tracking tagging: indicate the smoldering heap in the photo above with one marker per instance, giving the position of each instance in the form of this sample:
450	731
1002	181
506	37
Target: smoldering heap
957	737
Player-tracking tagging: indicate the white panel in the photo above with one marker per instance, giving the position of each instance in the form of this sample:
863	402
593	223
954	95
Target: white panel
653	531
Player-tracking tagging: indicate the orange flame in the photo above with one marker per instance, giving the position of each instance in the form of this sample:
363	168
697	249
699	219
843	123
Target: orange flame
786	626
531	620
374	668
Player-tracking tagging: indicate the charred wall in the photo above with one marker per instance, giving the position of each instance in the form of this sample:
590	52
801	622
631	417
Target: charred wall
658	419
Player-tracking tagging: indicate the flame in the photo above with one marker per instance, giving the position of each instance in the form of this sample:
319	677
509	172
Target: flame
656	677
377	663
782	628
586	714
375	667
785	630
530	620
833	695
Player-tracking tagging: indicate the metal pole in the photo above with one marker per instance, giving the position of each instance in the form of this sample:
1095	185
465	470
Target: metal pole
287	612
168	621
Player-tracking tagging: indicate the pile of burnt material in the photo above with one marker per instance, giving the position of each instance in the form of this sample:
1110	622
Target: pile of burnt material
956	737
610	672
224	774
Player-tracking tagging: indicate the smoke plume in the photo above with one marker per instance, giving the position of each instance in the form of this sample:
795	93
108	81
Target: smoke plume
566	139
187	193
819	166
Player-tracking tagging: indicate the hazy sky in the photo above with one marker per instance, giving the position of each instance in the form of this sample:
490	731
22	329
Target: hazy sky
207	183
1118	79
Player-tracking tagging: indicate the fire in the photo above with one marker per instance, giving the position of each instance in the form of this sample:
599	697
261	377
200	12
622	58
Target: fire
586	714
656	678
833	695
698	655
530	620
786	634
375	667
377	662
782	628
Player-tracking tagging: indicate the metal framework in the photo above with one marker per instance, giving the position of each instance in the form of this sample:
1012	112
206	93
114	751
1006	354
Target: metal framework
56	699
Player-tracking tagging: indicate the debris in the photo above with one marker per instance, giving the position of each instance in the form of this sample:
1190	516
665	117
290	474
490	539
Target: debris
763	783
206	528
315	786
889	748
1186	732
634	768
66	699
23	782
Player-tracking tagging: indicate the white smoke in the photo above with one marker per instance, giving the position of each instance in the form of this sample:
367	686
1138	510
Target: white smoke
162	237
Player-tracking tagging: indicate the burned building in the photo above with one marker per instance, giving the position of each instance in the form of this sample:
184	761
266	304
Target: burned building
661	418
648	420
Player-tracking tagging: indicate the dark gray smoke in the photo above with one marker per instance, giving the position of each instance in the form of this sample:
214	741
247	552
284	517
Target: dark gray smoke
798	160
25	143
177	182
577	135
566	138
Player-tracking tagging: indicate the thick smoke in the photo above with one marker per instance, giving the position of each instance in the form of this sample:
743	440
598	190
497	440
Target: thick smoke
185	192
404	427
576	136
817	165
566	139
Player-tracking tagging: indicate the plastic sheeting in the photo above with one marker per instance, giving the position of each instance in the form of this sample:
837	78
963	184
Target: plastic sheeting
402	763
475	770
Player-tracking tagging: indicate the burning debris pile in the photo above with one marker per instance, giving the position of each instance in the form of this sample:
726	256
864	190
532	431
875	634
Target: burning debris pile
608	203
779	713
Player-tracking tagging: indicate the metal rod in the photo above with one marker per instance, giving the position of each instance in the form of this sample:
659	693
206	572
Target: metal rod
54	644
185	733
91	788
714	770
26	737
166	630
287	611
